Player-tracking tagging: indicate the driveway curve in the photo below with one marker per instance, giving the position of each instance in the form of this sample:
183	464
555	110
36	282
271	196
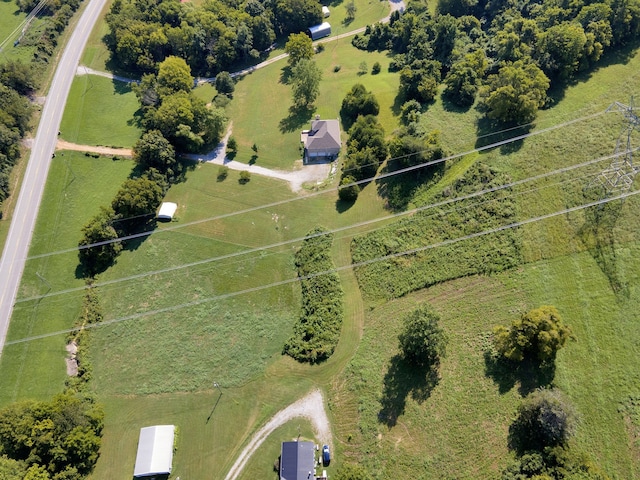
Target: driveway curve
310	407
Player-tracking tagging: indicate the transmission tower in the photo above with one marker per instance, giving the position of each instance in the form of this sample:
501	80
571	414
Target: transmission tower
618	177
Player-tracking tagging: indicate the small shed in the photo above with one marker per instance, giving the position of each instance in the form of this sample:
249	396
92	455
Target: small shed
155	451
325	11
167	209
319	31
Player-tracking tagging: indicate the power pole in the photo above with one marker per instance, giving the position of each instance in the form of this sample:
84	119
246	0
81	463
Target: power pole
619	176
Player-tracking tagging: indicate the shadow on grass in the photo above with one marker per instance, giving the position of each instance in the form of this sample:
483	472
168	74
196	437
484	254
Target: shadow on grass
490	132
528	375
449	106
298	117
597	234
401	380
344	205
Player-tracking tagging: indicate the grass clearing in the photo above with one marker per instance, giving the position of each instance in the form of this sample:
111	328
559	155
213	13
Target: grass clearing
76	186
100	111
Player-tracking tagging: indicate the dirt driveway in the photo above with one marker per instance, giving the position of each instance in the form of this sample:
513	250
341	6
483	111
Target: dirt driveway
310	407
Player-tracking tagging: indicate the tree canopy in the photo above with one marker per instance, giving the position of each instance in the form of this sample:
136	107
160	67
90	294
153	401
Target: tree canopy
299	46
358	101
98	246
536	335
422	341
305	83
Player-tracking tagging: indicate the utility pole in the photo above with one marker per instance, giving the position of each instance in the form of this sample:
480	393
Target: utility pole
619	176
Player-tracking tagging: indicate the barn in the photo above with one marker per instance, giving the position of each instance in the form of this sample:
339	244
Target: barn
319	31
155	451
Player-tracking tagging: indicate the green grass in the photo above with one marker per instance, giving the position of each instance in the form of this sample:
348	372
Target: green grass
100	111
260	108
77	186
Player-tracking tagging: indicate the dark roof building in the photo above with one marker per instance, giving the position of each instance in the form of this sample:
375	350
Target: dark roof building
297	461
322	142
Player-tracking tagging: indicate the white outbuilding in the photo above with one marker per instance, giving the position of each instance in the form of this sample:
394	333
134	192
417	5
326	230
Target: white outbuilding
325	11
167	209
155	451
319	31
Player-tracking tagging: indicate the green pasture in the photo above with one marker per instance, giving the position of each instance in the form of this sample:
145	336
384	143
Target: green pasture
100	111
76	187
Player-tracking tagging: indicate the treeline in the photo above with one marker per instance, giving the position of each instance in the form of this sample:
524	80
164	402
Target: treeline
174	120
18	82
507	54
211	36
317	332
50	440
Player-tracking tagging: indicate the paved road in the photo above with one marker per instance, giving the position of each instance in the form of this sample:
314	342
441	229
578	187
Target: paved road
26	211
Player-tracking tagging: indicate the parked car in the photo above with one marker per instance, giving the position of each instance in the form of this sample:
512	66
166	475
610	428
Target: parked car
326	455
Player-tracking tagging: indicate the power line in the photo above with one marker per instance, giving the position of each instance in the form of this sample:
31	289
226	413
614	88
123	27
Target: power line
333	231
323	192
334	270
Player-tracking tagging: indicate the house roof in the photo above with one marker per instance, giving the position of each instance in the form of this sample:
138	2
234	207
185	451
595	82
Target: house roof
155	451
324	134
297	461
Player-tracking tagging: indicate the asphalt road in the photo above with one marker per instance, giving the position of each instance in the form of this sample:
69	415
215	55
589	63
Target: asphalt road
26	211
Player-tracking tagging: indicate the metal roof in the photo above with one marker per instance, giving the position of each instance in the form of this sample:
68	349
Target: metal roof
155	451
297	461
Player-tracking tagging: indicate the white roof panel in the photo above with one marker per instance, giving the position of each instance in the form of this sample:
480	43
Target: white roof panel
155	451
167	209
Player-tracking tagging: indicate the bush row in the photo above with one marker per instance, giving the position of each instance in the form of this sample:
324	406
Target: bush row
316	334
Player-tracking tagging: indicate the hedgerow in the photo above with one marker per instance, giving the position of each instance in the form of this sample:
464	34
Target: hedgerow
404	273
316	334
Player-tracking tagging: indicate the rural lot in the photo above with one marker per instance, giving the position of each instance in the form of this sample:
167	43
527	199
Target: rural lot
271	284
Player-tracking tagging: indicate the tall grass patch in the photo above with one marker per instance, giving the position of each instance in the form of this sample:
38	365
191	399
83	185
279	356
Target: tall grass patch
407	269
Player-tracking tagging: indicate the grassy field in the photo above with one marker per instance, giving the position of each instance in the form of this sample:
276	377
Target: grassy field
100	111
176	331
76	187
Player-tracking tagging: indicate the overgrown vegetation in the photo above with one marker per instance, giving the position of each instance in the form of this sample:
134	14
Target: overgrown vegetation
411	264
317	332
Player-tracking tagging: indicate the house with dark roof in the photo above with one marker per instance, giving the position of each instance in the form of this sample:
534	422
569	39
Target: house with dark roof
322	142
297	461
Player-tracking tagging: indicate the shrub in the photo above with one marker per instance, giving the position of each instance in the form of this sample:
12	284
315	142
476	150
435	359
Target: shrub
232	145
376	68
337	68
348	193
422	341
245	176
223	172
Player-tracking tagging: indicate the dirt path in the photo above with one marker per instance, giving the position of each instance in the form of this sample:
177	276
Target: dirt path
310	407
64	145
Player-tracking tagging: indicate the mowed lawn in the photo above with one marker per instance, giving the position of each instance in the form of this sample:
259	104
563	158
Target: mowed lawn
261	114
76	187
100	111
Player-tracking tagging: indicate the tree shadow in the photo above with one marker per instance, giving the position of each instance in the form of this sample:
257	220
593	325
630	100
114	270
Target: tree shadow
492	132
398	190
528	374
401	380
285	75
449	106
297	118
344	205
253	159
597	234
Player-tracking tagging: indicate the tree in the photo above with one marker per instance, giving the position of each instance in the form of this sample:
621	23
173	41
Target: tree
245	176
351	471
422	341
174	75
560	49
363	68
137	200
11	469
358	101
376	68
348	190
409	150
536	335
225	84
99	246
299	46
305	81
152	150
546	418
293	16
515	93
461	85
